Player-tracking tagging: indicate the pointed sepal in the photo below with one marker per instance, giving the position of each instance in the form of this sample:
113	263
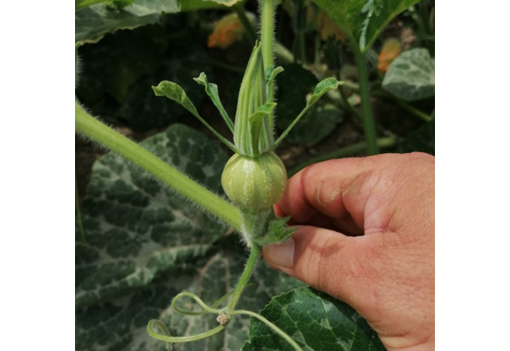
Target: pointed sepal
252	95
211	89
174	92
278	232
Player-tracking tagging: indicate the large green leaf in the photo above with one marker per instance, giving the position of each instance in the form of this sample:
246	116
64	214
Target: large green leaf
363	20
143	110
93	22
411	76
294	84
315	321
135	226
119	61
122	323
227	2
422	139
145	244
316	125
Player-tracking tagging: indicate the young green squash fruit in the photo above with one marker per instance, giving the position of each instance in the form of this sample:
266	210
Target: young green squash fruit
254	183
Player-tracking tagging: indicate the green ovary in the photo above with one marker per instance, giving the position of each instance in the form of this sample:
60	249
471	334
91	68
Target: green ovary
254	183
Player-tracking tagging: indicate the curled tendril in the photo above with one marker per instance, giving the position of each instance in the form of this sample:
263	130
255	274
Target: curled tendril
224	314
208	309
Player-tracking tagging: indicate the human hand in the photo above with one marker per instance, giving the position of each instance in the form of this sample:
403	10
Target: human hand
366	236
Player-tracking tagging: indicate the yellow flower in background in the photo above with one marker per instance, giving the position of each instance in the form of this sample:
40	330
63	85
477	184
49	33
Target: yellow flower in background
227	31
390	50
328	28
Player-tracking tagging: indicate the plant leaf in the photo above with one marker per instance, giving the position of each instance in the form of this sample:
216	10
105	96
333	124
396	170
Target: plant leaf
270	77
126	215
256	119
316	321
228	3
93	22
294	83
278	232
212	90
316	124
411	76
143	110
115	64
422	139
363	21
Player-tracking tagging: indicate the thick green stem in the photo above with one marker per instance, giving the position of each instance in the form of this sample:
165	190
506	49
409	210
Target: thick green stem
366	108
267	42
255	253
266	33
97	131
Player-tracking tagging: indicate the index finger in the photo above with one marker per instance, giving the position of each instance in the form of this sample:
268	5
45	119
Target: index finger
338	189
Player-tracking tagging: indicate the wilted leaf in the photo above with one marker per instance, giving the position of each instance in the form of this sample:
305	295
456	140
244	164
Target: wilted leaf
316	321
411	76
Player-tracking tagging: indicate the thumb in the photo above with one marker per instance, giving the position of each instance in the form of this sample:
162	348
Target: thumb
324	259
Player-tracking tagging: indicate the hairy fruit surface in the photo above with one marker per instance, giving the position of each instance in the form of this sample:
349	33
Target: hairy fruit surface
254	183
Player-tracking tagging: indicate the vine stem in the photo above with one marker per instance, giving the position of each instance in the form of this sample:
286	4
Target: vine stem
255	253
414	111
90	127
366	108
267	32
272	326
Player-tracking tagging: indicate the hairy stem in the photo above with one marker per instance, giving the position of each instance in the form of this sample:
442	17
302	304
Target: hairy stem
366	108
255	253
207	200
266	33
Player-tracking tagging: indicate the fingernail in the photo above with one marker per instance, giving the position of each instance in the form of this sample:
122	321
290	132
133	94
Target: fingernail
281	255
